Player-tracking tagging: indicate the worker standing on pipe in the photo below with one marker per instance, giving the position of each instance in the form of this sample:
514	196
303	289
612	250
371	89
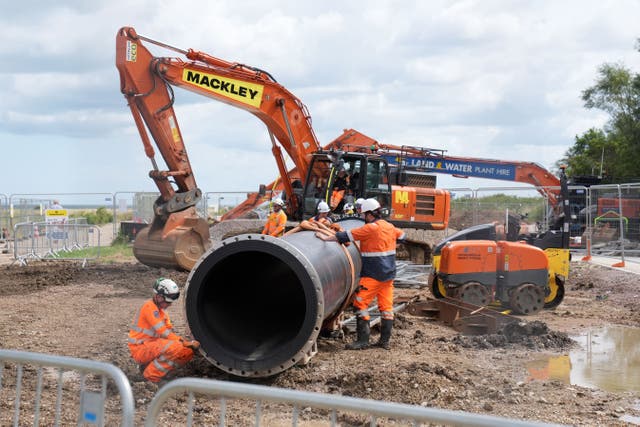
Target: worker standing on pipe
378	251
323	214
152	342
276	221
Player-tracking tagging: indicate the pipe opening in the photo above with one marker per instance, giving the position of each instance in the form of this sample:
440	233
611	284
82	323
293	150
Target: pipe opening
252	306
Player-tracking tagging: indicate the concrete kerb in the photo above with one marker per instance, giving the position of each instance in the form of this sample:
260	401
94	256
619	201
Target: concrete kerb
630	266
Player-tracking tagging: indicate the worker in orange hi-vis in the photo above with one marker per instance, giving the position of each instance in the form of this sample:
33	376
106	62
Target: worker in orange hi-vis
340	186
323	214
276	221
152	342
377	239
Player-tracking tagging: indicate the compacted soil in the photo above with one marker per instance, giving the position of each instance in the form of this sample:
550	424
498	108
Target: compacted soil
64	309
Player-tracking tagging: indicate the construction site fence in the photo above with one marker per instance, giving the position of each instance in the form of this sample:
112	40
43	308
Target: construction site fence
60	382
72	240
594	208
64	387
611	223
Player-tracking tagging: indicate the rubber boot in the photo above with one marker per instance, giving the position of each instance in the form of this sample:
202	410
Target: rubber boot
385	333
363	331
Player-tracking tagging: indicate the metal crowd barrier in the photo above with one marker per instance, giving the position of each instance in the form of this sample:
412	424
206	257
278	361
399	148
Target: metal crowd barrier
410	275
90	387
301	400
612	223
47	241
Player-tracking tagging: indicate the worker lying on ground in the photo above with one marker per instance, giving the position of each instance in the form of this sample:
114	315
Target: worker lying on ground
152	342
276	221
378	250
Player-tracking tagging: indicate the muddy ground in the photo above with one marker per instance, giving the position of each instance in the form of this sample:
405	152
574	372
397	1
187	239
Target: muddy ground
65	309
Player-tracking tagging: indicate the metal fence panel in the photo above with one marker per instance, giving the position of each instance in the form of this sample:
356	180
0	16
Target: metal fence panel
612	219
5	219
330	407
218	203
85	390
495	203
73	240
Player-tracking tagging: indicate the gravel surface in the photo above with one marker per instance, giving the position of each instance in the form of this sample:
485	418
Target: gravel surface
61	308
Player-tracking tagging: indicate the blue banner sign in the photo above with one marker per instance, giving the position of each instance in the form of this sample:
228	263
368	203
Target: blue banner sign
488	170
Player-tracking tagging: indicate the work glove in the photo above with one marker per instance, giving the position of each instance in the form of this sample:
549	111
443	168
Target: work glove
193	345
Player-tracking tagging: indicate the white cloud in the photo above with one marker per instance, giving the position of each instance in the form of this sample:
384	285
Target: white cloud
477	78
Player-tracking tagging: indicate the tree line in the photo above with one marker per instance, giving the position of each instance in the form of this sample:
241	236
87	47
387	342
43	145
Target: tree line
613	151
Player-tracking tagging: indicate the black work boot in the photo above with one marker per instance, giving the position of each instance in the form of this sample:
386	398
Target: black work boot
385	333
363	331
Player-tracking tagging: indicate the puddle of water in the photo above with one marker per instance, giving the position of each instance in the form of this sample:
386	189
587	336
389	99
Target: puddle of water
608	359
550	368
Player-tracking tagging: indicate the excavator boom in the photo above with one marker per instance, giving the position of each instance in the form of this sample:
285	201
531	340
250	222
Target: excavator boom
177	236
436	161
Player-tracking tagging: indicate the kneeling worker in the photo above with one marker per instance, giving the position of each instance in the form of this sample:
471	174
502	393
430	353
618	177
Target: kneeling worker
152	341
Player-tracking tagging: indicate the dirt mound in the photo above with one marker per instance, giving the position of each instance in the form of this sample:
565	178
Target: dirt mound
534	335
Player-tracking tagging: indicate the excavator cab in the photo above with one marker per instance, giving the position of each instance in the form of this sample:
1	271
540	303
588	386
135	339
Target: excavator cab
338	178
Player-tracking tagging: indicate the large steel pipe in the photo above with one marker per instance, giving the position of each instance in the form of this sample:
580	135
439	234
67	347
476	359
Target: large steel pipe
257	303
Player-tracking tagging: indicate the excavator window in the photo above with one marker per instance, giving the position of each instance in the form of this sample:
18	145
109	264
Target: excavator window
317	180
377	181
377	176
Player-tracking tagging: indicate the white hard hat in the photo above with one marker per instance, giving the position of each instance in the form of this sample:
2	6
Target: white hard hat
359	201
348	208
323	207
167	288
370	205
278	201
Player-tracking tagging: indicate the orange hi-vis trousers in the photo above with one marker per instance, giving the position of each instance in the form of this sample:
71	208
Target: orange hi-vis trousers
369	289
161	356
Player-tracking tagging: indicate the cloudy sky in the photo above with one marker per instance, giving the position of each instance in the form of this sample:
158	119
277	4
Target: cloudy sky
491	79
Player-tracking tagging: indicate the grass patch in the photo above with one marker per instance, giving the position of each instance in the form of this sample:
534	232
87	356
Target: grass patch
117	252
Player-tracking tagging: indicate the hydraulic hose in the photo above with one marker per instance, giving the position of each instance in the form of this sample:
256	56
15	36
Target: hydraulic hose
257	303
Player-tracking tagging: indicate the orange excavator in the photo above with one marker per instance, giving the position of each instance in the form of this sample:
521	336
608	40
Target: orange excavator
178	236
415	202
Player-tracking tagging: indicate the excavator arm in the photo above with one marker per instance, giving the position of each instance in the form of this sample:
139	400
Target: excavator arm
436	161
177	236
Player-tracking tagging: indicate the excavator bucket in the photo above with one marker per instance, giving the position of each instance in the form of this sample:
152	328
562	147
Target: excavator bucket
176	243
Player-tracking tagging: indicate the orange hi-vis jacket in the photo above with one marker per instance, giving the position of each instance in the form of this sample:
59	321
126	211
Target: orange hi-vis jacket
151	323
275	224
153	343
378	252
377	248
